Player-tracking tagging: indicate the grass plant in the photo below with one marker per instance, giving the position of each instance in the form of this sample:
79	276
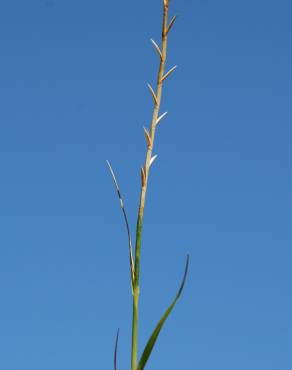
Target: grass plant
134	254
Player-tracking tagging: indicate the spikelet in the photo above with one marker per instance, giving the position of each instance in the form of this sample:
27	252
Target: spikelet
152	159
160	117
168	73
143	176
147	137
171	24
153	94
157	48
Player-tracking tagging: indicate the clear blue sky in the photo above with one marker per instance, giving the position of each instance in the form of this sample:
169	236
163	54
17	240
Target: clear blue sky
72	94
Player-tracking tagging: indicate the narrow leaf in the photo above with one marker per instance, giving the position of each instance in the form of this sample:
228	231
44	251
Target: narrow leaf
126	222
116	350
171	24
152	159
147	136
168	73
157	48
151	342
152	93
160	117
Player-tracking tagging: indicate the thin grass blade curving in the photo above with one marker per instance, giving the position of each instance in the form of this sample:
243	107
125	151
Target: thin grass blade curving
116	349
151	342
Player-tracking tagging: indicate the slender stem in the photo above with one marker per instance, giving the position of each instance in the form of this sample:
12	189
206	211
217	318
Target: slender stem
146	169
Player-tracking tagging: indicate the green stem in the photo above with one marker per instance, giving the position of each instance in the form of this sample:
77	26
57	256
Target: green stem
146	167
135	330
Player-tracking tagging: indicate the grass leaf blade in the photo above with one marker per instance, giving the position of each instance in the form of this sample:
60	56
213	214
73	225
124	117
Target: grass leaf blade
126	223
151	342
116	350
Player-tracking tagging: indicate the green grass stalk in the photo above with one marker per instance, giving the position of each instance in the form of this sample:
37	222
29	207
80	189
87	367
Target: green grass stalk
135	260
144	181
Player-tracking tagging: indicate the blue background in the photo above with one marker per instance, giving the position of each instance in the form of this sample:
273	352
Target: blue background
73	94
